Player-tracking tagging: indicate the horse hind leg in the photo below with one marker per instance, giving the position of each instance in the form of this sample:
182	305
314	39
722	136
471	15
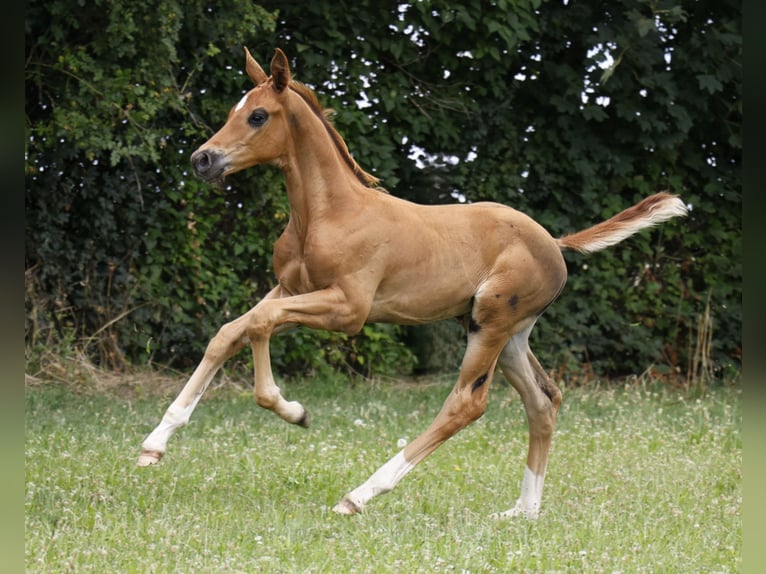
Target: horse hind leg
542	399
465	403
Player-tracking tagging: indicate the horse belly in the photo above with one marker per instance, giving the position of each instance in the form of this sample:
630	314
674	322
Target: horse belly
417	298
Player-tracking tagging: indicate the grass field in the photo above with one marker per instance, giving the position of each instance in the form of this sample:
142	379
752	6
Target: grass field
641	479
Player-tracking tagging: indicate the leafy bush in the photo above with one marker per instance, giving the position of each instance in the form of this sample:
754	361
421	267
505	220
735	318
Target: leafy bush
567	112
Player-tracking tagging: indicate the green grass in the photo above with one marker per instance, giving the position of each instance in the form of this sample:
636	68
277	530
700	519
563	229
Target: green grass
640	480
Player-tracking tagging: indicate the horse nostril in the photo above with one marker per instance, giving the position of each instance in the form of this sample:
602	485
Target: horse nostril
201	161
209	165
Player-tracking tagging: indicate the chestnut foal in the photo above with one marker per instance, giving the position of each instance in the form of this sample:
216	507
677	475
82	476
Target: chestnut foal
353	254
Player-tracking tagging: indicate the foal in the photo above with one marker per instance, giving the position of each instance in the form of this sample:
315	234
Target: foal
352	254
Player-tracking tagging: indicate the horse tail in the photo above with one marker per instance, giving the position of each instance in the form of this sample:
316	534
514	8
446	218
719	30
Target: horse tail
647	213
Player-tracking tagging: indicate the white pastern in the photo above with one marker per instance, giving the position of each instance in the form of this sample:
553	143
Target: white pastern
241	103
173	419
291	411
528	504
383	480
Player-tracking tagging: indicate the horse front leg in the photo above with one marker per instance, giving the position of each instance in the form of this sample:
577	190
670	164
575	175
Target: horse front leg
267	393
327	309
229	340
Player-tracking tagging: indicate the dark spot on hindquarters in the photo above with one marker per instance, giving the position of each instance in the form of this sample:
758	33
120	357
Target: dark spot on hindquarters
479	382
513	301
497	295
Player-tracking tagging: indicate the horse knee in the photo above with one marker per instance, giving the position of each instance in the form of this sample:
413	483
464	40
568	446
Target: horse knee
224	344
259	327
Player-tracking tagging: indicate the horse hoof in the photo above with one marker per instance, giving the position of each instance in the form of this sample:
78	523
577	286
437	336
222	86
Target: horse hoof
148	457
346	507
514	512
305	420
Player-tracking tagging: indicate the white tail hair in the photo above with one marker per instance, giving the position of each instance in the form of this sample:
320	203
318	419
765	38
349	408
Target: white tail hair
647	213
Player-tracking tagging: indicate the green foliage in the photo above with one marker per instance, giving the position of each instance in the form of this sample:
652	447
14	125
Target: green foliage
376	350
125	249
120	240
438	346
569	112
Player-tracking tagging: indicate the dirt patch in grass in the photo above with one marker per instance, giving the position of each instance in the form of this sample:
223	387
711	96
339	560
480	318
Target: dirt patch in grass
81	375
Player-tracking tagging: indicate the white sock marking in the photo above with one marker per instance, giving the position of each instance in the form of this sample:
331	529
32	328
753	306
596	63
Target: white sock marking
174	418
383	480
531	491
528	503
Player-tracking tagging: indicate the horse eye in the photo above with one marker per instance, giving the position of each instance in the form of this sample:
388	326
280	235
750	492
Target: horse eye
258	118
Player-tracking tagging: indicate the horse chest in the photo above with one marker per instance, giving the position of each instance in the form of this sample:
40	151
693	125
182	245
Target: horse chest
304	267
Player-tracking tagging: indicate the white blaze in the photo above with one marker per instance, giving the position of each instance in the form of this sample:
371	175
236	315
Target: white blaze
241	103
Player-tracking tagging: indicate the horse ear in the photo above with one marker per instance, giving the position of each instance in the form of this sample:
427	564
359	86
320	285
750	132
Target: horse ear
254	70
280	71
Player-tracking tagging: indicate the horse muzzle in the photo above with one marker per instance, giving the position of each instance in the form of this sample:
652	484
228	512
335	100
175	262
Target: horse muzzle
208	165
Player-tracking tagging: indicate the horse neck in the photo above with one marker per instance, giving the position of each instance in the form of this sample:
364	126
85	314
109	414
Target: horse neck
318	180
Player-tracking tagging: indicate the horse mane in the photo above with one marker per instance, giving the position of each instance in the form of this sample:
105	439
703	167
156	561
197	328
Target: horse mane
308	95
